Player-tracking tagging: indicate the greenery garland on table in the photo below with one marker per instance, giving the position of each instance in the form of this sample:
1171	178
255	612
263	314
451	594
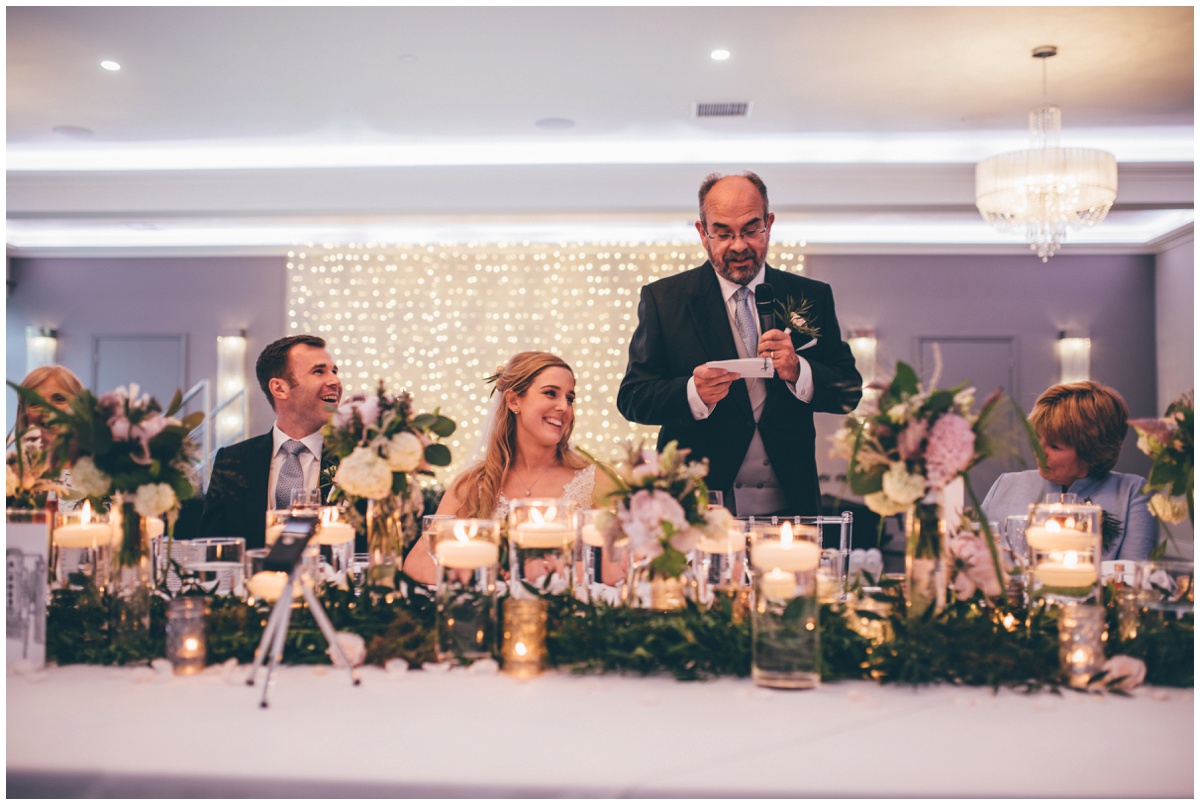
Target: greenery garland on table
966	644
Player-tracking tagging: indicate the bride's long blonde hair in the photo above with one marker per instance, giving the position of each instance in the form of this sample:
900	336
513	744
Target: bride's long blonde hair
478	488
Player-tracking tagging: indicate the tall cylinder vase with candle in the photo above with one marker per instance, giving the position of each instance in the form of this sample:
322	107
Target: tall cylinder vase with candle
468	556
541	533
784	615
1065	546
924	564
131	579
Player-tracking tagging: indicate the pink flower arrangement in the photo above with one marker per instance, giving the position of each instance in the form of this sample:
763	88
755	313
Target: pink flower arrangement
951	449
971	567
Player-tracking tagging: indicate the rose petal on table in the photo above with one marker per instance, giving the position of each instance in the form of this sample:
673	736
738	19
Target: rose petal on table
352	645
437	667
163	666
396	666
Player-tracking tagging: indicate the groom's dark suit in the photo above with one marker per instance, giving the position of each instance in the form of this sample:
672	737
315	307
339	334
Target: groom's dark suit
683	323
236	502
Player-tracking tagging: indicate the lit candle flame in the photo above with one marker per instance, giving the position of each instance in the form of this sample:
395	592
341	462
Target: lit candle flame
520	649
329	514
535	516
1070	559
191	643
1069	523
465	533
85	513
1053	525
785	534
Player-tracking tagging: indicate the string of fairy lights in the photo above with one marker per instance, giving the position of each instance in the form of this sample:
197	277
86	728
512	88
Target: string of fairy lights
436	320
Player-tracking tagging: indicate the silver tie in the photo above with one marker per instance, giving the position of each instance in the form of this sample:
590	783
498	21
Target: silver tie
291	476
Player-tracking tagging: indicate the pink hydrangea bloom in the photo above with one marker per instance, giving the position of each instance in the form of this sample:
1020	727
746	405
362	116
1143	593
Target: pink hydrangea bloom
951	448
971	567
642	519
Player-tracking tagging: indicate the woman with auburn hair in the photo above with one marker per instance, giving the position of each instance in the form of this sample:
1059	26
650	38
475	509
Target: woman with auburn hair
1081	427
526	450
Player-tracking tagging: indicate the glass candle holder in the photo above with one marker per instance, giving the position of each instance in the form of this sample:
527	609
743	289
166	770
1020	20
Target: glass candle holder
869	617
81	548
268	585
1065	545
1080	642
468	559
785	634
335	544
720	565
523	648
218	564
187	646
541	539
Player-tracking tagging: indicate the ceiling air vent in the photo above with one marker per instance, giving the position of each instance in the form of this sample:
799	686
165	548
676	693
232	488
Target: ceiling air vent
735	109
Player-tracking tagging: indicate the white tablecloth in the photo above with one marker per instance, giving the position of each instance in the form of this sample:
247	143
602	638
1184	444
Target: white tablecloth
91	731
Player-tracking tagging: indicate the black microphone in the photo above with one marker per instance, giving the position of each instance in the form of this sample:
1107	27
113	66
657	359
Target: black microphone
764	300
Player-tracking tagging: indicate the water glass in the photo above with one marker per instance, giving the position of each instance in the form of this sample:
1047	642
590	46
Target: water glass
303	499
468	560
335	544
541	538
429	530
1065	547
218	564
523	645
785	633
720	565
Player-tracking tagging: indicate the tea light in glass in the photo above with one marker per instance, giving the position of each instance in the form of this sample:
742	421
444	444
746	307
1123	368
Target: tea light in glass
335	543
468	556
186	632
785	633
523	647
541	541
1080	642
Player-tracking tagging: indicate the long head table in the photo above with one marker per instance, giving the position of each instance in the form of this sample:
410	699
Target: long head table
86	731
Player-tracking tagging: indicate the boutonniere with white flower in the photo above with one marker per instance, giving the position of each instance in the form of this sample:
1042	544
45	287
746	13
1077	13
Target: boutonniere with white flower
797	317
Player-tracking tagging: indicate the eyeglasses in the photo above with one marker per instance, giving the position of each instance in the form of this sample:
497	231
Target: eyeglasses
745	234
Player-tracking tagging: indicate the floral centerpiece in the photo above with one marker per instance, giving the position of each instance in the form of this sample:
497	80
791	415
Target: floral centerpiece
907	446
1170	443
661	508
382	446
123	446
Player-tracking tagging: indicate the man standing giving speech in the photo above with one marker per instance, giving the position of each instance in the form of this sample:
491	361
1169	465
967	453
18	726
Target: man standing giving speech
756	432
300	379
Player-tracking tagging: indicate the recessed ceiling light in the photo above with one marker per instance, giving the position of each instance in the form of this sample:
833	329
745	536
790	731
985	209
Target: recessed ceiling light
555	123
108	64
720	54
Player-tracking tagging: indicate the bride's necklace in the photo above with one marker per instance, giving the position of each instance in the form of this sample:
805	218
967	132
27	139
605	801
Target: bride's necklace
533	483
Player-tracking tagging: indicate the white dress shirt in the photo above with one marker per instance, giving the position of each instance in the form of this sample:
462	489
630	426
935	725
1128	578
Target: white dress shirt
310	461
803	388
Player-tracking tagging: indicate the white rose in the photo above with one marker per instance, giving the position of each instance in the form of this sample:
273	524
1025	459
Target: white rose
364	474
965	399
89	479
898	413
154	499
405	452
902	486
1168	509
881	504
1129	670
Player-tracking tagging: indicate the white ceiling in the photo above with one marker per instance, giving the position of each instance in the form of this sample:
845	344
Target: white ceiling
251	129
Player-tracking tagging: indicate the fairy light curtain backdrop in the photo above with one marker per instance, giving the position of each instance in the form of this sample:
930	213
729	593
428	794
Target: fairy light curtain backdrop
437	320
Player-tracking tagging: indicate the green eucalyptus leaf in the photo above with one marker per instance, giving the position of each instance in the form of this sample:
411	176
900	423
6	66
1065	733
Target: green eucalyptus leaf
438	455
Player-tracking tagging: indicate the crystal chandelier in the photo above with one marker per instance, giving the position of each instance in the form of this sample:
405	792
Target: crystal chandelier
1045	189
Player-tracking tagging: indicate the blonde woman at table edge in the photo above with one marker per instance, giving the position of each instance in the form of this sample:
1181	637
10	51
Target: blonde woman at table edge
526	451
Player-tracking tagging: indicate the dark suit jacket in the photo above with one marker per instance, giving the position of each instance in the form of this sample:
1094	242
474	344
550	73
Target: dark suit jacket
682	323
236	502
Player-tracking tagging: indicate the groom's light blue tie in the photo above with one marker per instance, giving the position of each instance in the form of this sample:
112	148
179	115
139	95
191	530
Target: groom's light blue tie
743	317
291	476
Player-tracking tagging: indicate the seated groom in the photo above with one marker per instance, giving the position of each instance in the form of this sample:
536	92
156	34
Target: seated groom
300	379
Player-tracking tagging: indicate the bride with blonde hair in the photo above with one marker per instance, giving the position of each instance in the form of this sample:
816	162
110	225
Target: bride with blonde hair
526	450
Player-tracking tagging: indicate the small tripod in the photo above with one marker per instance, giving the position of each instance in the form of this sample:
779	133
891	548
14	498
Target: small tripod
277	628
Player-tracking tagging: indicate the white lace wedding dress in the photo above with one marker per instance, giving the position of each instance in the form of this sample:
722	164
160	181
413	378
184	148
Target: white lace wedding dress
577	491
